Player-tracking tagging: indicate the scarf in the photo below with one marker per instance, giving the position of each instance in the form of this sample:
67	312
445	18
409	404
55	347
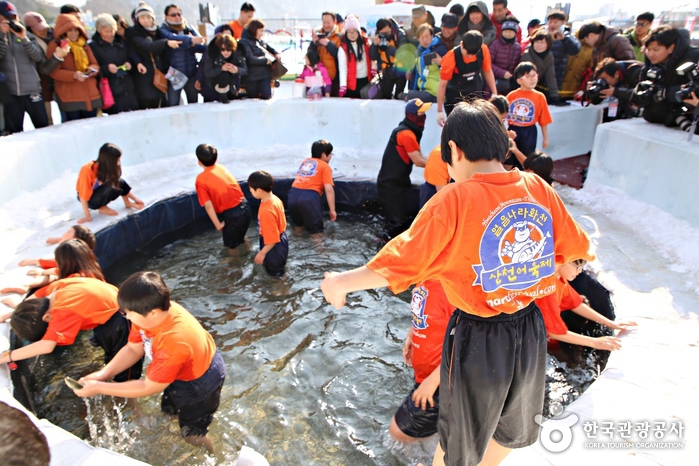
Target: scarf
476	27
416	123
77	48
541	55
179	27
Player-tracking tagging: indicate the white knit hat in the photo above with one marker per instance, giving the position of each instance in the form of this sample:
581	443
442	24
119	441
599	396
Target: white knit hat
143	9
351	22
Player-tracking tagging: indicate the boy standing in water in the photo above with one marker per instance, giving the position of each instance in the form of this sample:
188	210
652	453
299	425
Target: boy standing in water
220	194
185	364
492	239
274	242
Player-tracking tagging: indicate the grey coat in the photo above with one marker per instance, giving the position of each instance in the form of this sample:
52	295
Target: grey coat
18	61
546	69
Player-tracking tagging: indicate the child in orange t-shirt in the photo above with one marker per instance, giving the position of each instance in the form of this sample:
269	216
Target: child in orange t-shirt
417	416
274	242
436	176
566	298
99	183
527	108
220	194
74	304
185	364
313	177
492	239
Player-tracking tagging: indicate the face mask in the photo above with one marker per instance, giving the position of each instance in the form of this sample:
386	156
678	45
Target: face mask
509	41
151	29
417	119
175	23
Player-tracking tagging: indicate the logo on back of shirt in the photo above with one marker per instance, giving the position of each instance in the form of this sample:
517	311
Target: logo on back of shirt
521	111
308	168
516	248
417	307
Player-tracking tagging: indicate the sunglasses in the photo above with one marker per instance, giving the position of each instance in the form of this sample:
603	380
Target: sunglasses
175	14
642	24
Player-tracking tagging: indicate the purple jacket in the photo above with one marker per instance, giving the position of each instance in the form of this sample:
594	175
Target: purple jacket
504	56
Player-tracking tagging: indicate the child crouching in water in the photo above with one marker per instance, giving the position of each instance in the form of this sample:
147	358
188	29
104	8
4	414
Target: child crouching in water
185	364
99	183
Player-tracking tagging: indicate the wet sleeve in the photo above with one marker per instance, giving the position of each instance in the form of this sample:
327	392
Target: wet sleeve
570	299
167	363
63	327
408	140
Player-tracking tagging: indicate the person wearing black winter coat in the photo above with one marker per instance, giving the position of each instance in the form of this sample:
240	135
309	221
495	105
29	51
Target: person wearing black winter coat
114	57
223	68
258	56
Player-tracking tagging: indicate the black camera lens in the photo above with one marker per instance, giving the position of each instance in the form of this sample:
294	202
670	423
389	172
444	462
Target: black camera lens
14	26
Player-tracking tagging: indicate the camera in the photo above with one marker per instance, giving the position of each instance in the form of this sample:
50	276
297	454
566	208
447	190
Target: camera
650	90
689	70
321	35
383	41
598	85
16	27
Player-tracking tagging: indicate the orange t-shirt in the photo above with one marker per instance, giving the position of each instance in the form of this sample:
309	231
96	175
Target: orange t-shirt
431	312
216	184
179	348
448	66
564	299
80	304
436	172
237	29
313	175
87	180
493	242
47	263
407	143
528	108
272	220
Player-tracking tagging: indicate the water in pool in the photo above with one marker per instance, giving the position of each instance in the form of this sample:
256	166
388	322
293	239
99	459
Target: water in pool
306	384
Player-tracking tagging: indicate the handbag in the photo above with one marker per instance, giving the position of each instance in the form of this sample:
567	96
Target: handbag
106	92
373	89
159	79
277	70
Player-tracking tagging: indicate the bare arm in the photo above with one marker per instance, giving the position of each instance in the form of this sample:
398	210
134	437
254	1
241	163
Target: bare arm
86	211
545	134
131	389
125	358
209	206
330	196
425	392
335	286
418	159
586	311
35	349
600	343
441	92
490	81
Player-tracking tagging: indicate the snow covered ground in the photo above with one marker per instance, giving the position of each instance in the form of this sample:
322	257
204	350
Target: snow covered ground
644	255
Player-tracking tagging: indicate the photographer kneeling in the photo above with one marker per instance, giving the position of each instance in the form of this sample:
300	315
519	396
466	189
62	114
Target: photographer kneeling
616	79
667	49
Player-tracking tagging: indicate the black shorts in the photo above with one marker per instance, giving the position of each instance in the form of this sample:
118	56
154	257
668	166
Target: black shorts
306	209
237	221
196	401
493	376
112	336
104	194
275	260
413	420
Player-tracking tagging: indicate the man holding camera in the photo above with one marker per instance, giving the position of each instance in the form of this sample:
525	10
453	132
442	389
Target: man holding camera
327	41
19	57
388	39
564	44
617	80
668	78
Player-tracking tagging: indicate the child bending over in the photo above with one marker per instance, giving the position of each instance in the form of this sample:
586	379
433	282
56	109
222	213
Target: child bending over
274	242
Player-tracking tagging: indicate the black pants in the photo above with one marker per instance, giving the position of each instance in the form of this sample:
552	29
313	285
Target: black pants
80	114
237	220
261	88
144	104
394	202
389	83
306	209
112	336
275	260
361	82
104	194
32	104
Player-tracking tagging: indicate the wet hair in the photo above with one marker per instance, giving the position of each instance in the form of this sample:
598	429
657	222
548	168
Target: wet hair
313	56
68	9
542	34
523	69
207	154
74	256
646	16
109	171
500	2
476	128
457	9
590	27
27	319
253	26
21	442
261	180
225	42
142	292
425	27
664	35
167	8
321	147
472	42
541	164
86	235
608	65
501	103
247	7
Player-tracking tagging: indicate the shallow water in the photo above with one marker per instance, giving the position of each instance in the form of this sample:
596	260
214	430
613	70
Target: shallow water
306	384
